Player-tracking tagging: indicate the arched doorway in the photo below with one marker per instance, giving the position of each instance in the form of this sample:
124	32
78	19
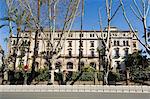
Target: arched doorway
69	65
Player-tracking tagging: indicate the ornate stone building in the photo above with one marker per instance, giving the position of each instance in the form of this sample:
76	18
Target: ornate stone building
123	43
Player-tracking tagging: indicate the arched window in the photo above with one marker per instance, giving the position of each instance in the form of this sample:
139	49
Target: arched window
69	65
57	65
92	64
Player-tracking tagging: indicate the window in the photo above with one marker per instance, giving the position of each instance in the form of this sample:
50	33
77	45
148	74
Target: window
134	44
69	43
81	44
93	35
48	44
26	42
50	35
118	64
81	52
47	53
58	34
70	35
104	35
118	43
117	53
82	64
26	34
92	53
81	35
69	65
90	35
47	35
39	34
57	65
126	51
92	43
127	43
124	44
70	53
36	66
29	43
114	43
38	44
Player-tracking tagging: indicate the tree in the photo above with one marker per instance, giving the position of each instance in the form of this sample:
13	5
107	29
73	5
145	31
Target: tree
142	14
34	22
106	41
136	66
2	67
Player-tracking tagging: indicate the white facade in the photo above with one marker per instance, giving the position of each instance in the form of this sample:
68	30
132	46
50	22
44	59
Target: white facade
123	43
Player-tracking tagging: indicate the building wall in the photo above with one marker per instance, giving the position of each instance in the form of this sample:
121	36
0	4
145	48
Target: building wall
74	38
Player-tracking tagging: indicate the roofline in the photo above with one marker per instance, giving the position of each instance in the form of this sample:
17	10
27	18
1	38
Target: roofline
83	31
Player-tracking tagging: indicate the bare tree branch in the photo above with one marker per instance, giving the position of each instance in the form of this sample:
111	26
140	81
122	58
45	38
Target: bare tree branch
135	13
138	9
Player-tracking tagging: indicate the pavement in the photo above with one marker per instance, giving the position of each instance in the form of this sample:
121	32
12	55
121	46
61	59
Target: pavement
72	95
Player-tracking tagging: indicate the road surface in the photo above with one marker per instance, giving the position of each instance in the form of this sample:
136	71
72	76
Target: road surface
72	95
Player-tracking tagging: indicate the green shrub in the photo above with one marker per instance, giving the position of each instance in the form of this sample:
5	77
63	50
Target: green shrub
43	75
87	76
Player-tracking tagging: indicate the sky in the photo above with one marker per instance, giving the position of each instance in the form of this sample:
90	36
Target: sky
90	19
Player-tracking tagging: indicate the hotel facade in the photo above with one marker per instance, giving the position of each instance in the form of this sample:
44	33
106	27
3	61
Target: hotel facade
123	43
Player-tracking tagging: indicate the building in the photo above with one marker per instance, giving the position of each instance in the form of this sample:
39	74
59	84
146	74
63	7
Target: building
123	43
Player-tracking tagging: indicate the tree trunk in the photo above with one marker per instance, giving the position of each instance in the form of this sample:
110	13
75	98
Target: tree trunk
51	75
80	74
16	47
127	77
95	78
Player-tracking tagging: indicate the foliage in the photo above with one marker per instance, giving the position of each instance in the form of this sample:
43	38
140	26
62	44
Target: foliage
100	76
43	76
86	76
88	69
138	65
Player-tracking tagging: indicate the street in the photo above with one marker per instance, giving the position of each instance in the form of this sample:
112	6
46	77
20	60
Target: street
72	95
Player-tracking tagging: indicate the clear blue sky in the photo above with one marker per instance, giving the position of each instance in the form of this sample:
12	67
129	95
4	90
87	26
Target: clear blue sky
90	17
